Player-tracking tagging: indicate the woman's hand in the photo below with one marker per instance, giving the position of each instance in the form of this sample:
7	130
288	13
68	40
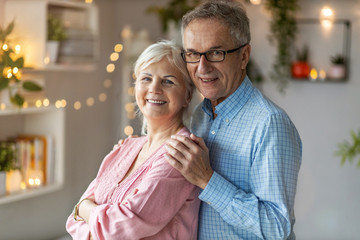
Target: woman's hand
85	207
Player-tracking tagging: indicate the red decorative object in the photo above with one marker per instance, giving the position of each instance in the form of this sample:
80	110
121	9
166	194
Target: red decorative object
300	69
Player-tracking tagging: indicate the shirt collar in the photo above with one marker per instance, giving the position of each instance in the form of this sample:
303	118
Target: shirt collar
228	108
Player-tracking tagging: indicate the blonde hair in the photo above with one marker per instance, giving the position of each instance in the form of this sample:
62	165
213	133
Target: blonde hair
155	53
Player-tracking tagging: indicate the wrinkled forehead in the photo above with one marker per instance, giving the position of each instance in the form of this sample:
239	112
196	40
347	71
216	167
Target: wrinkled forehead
205	34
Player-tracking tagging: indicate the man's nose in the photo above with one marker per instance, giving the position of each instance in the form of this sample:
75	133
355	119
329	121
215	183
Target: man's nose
204	65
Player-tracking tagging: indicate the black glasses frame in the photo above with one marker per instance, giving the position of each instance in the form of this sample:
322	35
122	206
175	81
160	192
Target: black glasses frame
205	54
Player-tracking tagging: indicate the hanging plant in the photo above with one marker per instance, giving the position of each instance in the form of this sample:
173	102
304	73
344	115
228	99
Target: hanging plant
174	11
10	66
283	29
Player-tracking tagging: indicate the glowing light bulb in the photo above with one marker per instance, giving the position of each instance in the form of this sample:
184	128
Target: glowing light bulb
17	49
313	74
118	47
90	101
327	17
128	130
110	68
114	56
255	2
102	97
46	102
77	105
38	103
5	47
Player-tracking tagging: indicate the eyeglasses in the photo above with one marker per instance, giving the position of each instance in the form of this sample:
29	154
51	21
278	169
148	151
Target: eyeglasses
211	55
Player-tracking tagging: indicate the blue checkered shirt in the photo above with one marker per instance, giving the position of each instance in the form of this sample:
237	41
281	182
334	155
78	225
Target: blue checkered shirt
255	152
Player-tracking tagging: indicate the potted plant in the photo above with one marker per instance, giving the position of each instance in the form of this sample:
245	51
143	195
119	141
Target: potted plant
55	34
7	163
301	68
350	151
337	69
10	70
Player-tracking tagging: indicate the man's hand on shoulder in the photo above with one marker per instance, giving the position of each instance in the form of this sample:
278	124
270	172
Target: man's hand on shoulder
190	157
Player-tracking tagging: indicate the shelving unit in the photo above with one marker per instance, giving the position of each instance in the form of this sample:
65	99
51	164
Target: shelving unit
323	44
80	20
36	121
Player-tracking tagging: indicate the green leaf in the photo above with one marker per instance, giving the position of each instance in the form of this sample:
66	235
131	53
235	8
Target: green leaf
31	86
19	62
9	28
17	100
4	83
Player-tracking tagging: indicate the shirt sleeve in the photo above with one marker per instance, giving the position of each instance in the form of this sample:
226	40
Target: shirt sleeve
79	229
152	205
267	209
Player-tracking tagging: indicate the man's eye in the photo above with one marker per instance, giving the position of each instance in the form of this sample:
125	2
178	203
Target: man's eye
215	53
192	54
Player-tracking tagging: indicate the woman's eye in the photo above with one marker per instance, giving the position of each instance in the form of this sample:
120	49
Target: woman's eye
146	79
168	82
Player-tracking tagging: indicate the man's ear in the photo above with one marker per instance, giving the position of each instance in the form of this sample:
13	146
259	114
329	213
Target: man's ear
188	98
245	56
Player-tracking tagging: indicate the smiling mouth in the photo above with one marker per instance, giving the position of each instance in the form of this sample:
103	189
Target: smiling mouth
208	79
155	101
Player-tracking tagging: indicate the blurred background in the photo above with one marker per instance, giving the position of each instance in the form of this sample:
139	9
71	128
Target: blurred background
87	101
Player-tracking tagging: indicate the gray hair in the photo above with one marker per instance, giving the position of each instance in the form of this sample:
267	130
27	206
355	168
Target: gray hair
157	52
230	13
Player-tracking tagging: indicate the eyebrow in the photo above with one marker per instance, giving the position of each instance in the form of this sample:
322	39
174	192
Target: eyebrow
212	48
166	76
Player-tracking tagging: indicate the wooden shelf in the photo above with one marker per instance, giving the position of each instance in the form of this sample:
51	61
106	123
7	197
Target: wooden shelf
29	193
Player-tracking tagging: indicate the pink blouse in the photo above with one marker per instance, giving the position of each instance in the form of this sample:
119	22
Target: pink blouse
154	202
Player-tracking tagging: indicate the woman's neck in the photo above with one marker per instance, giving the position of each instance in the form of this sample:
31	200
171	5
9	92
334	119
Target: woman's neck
159	133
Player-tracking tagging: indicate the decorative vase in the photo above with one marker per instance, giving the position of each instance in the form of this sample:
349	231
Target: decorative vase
337	72
2	183
52	52
300	69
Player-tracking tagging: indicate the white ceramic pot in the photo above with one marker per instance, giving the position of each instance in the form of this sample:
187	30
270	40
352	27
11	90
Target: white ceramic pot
337	72
52	52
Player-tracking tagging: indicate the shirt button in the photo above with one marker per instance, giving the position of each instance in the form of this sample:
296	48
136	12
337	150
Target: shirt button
209	203
227	120
213	132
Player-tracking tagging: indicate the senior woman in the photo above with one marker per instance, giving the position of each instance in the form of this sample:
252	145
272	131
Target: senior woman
136	193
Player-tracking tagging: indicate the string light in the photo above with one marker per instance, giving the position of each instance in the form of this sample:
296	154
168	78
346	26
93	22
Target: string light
118	47
102	97
114	56
5	47
46	102
255	2
327	17
128	130
17	49
110	68
77	105
62	103
90	101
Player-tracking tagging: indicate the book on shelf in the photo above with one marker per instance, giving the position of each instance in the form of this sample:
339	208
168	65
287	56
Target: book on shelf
35	159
